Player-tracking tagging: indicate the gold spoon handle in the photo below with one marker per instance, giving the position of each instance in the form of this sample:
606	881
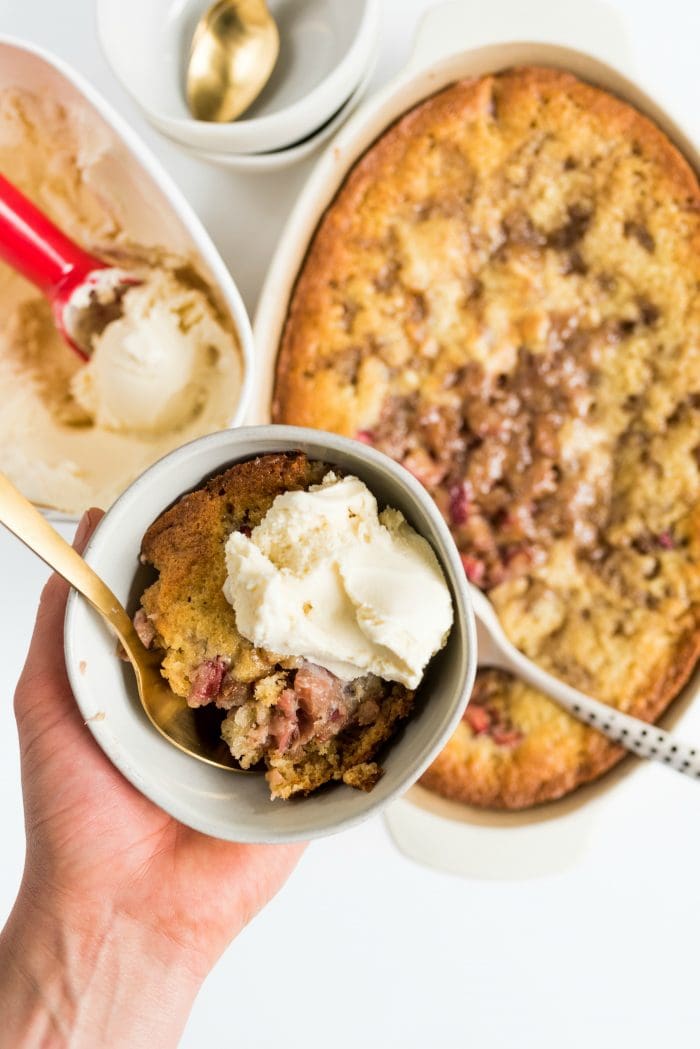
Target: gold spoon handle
166	711
32	528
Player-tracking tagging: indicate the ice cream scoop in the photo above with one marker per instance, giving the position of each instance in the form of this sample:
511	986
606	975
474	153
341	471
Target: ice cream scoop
85	292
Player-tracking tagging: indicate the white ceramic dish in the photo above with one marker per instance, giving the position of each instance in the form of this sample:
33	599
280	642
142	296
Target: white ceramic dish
153	208
326	46
284	158
586	39
225	804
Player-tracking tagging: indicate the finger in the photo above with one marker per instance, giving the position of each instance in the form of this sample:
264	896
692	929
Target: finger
45	657
87	525
46	649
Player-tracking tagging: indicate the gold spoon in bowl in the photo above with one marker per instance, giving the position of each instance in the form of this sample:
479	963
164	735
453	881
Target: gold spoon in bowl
234	50
166	711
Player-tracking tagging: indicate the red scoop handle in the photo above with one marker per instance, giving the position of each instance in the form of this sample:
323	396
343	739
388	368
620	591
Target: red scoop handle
31	244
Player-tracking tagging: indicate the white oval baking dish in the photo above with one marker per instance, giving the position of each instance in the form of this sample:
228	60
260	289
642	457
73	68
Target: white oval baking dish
155	212
588	41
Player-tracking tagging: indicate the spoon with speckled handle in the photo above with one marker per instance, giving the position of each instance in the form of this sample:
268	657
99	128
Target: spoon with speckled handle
639	737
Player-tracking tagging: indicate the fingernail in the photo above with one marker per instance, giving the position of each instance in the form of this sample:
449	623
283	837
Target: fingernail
83	528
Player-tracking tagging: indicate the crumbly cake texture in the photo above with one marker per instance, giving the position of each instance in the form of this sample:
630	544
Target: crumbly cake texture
306	725
504	296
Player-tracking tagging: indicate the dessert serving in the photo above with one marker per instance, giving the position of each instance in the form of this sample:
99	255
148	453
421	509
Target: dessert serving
285	599
504	297
76	433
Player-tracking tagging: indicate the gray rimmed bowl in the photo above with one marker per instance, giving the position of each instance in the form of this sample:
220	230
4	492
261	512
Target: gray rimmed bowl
230	805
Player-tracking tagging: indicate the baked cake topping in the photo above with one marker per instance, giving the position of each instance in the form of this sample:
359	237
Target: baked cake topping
505	297
328	578
307	724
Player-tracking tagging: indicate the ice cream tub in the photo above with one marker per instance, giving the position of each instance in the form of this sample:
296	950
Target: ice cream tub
95	428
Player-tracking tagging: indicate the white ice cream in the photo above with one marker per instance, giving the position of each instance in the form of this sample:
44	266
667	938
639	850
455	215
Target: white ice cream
151	368
324	576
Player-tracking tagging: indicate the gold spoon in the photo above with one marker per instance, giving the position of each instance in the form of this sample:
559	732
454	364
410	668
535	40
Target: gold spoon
234	50
166	711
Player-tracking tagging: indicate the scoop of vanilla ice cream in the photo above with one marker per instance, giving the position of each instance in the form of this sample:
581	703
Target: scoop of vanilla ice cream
151	367
326	577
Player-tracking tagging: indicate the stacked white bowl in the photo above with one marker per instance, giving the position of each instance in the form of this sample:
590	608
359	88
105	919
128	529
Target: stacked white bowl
327	51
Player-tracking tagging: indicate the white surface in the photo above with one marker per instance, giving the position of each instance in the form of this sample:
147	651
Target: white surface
325	48
207	798
381	951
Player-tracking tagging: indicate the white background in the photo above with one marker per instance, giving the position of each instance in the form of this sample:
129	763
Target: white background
364	947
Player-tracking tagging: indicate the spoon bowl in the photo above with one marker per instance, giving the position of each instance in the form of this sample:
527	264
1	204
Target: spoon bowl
167	712
234	50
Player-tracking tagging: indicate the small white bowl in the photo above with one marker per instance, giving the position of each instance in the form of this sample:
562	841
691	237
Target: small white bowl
284	158
326	46
227	804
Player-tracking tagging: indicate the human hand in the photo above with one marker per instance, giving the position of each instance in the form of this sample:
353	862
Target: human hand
122	911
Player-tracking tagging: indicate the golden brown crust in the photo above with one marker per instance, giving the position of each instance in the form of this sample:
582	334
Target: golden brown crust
241	495
298	397
452	241
193	620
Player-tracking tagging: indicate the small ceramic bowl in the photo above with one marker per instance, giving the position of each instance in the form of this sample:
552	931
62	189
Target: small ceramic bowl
298	151
325	48
226	804
587	39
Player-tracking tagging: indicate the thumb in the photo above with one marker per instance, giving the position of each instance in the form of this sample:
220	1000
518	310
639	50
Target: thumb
45	659
48	630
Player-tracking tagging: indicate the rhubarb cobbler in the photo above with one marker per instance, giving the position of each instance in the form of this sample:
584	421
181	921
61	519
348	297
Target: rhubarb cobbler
217	593
505	297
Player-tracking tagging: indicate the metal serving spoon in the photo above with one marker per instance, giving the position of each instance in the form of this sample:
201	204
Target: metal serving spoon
234	50
639	737
166	711
85	292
